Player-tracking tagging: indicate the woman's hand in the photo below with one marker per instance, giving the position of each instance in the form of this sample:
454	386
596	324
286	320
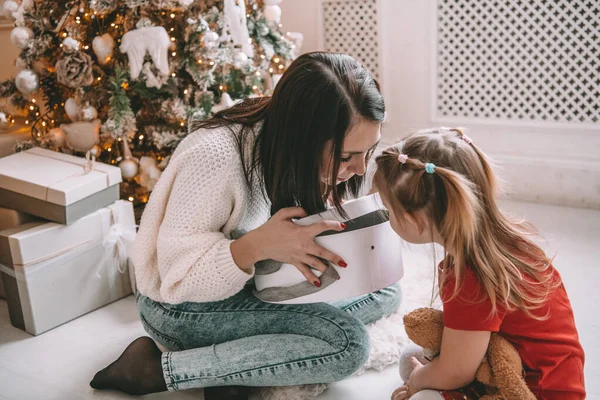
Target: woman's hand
282	240
411	387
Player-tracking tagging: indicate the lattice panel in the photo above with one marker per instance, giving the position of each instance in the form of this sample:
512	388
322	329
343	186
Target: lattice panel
527	60
352	27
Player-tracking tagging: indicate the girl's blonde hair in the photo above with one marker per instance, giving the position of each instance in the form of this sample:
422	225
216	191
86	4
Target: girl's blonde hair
443	173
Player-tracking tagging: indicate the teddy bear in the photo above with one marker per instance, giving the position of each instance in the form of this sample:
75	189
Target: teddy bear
500	371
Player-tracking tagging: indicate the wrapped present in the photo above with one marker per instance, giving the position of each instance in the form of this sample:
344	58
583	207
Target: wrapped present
11	219
56	186
54	273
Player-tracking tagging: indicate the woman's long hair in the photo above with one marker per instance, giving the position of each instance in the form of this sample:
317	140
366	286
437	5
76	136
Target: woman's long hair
318	99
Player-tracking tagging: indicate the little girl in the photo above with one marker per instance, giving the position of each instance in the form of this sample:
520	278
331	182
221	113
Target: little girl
439	187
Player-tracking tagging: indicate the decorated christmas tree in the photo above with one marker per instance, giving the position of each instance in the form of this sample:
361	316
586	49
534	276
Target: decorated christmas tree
121	81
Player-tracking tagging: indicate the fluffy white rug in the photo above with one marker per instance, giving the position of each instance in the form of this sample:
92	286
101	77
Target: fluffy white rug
388	338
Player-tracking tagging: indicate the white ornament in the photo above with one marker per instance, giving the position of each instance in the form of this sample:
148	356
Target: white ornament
129	165
9	8
56	137
21	37
272	13
240	59
82	135
88	113
73	109
4	120
151	79
129	168
19	15
225	103
185	3
154	40
70	44
235	23
103	47
210	39
149	173
27	81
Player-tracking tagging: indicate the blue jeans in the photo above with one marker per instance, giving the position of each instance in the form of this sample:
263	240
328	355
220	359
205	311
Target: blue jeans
244	341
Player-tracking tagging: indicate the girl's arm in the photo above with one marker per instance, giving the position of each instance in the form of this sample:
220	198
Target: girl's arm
460	356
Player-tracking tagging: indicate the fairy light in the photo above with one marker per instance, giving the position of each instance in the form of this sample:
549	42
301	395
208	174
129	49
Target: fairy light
37	114
262	56
99	78
172	39
31	108
173	75
78	21
43	123
185	91
254	87
280	66
113	24
276	60
172	29
212	63
33	100
130	198
199	61
109	149
220	87
257	73
86	47
141	137
26	122
271	70
182	124
281	25
172	15
64	34
173	54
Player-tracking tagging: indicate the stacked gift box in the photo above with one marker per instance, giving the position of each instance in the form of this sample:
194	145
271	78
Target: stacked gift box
64	237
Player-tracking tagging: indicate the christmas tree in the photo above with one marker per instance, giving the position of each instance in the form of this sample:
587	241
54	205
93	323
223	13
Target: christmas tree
121	81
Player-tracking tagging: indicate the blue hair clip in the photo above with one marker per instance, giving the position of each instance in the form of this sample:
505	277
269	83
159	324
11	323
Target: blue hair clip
430	168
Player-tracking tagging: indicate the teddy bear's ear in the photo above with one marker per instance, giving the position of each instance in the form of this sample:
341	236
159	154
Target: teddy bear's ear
425	326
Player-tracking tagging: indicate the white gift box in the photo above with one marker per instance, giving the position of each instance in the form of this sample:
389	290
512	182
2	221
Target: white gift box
54	273
11	219
56	186
369	245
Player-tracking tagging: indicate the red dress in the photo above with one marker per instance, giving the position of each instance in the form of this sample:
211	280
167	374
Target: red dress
552	355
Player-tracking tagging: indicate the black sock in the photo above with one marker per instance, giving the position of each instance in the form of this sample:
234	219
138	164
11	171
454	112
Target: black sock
137	371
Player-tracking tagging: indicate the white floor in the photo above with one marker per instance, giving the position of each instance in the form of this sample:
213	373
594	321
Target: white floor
59	364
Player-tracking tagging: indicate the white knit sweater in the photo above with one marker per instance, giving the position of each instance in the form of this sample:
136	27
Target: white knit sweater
200	204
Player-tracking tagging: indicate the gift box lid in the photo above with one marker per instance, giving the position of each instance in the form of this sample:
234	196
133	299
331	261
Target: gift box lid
54	177
36	241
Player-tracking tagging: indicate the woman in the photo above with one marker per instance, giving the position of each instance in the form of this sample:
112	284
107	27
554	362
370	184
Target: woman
227	201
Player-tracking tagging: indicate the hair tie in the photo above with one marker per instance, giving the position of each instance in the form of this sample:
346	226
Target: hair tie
467	139
430	168
402	158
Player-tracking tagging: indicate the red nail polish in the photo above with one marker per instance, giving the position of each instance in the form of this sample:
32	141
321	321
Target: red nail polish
343	226
343	264
317	284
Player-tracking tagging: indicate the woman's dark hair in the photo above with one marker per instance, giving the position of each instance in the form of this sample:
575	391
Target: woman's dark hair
319	98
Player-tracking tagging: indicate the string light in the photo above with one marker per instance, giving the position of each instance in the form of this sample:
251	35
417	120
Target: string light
182	124
141	137
172	39
65	34
262	56
99	78
26	122
220	87
130	198
173	75
43	123
280	66
173	54
254	87
257	73
199	61
109	149
33	100
276	60
113	24
212	63
172	29
172	15
185	91
31	108
271	70
86	47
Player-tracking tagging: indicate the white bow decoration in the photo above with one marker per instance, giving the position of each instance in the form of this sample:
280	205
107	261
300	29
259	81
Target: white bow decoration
116	246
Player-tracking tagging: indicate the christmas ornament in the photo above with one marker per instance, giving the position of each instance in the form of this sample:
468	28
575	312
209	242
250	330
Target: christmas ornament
95	151
185	3
225	103
129	165
149	173
240	59
75	70
88	113
103	47
27	81
235	24
21	37
82	135
6	120
151	79
9	8
272	11
210	39
56	137
154	40
70	44
72	109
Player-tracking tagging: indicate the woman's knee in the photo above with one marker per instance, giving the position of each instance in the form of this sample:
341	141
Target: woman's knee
357	349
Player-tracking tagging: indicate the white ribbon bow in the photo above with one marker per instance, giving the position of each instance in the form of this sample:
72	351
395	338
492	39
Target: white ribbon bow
116	245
